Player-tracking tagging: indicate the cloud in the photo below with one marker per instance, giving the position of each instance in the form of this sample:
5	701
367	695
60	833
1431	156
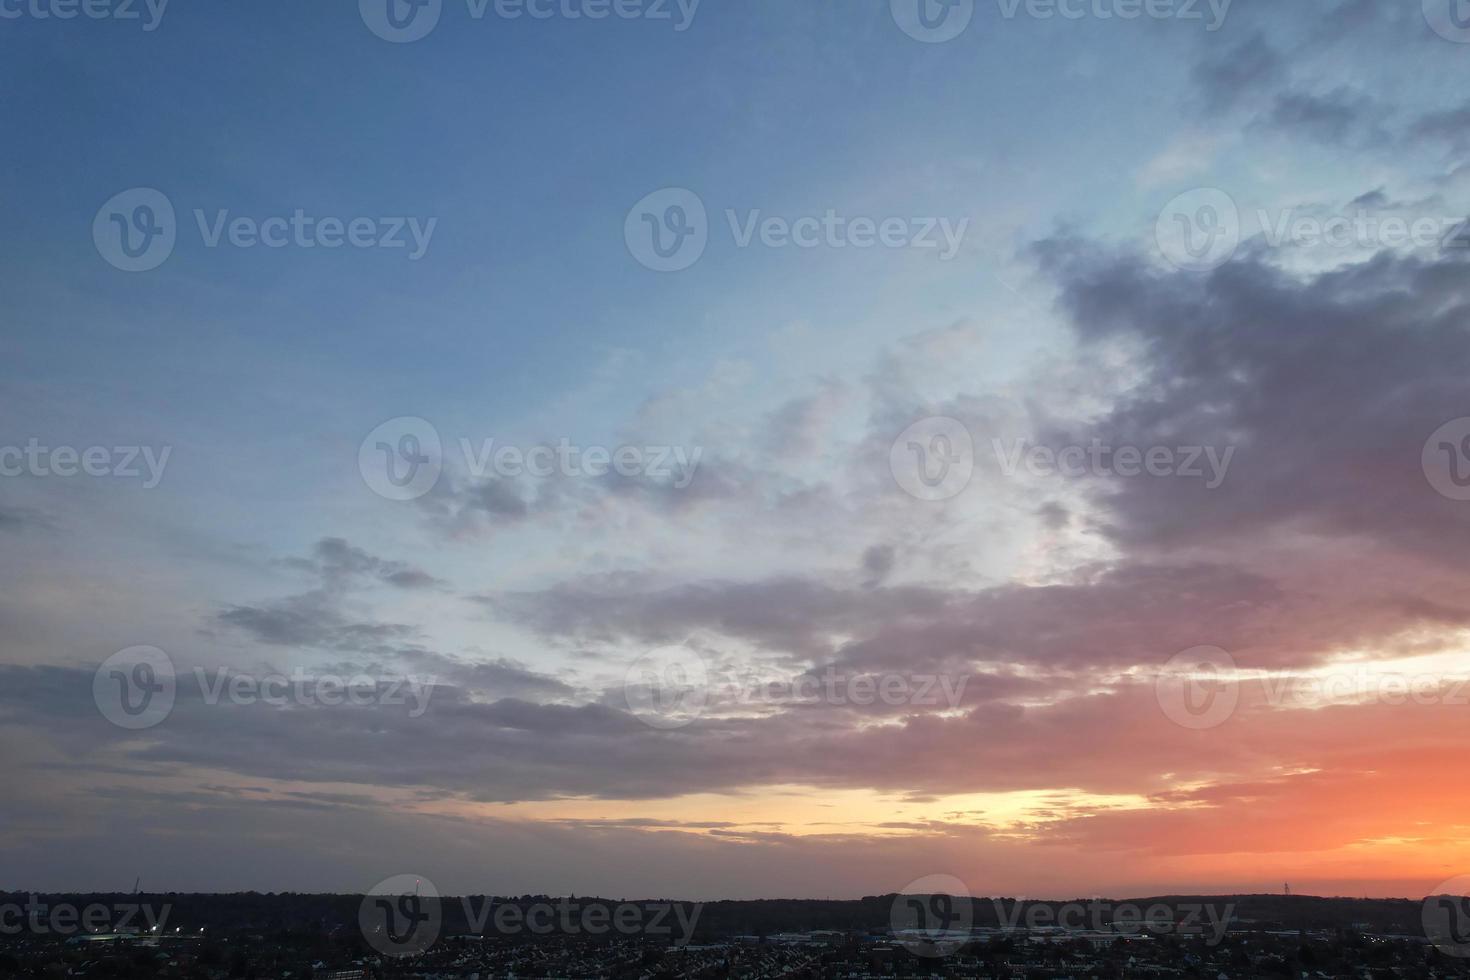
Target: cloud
311	620
500	677
799	428
878	561
1243	70
17	519
1328	386
1339	117
341	565
1448	125
788	615
315	618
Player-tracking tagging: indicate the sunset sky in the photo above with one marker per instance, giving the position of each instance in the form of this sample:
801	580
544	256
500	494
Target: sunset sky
610	657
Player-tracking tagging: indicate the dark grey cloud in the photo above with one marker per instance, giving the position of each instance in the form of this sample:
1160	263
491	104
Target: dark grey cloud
499	677
790	615
1054	515
1241	71
341	565
461	506
1328	386
1340	117
1254	77
316	618
498	498
1452	126
312	619
878	561
510	750
23	518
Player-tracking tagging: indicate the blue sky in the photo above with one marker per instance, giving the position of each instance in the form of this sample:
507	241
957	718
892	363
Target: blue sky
528	320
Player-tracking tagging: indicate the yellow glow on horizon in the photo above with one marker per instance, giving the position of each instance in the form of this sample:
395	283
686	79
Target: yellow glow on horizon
805	811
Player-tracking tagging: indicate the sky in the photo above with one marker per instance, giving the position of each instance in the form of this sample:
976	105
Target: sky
732	450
